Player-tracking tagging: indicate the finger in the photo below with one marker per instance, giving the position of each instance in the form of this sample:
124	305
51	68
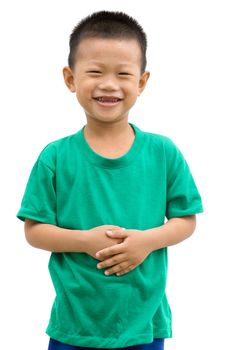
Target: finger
114	260
115	228
126	270
114	249
119	267
119	233
112	227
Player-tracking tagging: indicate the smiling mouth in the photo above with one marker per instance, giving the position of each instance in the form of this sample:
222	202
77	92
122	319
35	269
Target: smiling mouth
107	100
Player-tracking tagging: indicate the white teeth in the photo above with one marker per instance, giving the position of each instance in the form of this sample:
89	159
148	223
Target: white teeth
108	99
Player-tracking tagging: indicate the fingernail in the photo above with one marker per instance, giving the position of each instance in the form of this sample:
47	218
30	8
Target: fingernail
108	231
106	272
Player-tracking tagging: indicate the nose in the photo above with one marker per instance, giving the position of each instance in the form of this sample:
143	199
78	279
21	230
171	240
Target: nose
108	83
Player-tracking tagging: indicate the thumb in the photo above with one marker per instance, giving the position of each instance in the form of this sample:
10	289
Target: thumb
117	233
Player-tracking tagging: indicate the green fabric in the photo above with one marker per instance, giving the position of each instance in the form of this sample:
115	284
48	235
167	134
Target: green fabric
73	187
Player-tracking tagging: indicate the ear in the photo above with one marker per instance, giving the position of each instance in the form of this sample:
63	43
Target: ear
69	78
142	82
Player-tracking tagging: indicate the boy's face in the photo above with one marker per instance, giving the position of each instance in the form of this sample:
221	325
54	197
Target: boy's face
106	77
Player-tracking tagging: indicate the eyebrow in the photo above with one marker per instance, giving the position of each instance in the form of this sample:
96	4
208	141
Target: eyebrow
100	64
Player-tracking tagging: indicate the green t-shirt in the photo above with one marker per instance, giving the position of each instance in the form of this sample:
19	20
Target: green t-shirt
73	187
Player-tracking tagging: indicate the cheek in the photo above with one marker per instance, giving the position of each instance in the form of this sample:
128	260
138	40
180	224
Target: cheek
132	86
84	90
132	90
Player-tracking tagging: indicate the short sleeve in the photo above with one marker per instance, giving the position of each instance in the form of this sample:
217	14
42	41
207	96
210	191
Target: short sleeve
183	198
39	200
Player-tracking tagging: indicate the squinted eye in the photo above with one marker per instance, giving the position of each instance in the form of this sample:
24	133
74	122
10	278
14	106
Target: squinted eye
94	72
124	73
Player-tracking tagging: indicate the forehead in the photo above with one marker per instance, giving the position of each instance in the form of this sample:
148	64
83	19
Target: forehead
102	51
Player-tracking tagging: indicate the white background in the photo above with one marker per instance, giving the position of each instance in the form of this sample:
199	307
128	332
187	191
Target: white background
189	98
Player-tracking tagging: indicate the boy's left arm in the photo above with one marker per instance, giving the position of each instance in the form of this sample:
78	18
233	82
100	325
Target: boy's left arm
138	244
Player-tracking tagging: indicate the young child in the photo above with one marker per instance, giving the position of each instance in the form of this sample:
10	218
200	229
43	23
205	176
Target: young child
98	200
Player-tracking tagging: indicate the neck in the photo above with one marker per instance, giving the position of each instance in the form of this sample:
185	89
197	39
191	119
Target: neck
108	131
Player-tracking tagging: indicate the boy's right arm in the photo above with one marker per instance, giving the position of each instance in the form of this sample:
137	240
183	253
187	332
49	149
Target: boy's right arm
57	239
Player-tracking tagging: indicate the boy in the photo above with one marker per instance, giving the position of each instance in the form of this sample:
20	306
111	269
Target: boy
98	200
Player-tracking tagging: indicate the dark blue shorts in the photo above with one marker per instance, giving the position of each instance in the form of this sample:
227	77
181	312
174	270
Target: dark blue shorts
158	344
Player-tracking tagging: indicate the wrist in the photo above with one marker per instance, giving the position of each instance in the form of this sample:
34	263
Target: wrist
82	240
151	239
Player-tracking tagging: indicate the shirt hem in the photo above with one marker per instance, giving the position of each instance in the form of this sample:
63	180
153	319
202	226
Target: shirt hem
188	212
25	213
105	343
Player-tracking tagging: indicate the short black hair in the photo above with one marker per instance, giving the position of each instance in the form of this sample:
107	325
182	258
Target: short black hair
110	25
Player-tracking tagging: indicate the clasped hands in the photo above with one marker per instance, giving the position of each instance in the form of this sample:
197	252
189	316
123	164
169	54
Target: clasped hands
124	257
